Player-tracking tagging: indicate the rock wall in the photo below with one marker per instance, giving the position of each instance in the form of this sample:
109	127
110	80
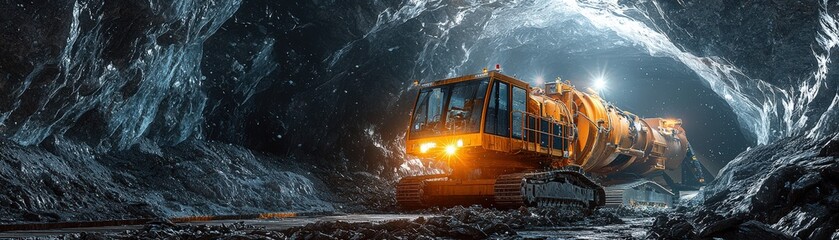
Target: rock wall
108	73
785	189
67	181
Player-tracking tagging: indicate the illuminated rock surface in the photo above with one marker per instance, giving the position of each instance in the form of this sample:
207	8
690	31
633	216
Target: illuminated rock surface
789	188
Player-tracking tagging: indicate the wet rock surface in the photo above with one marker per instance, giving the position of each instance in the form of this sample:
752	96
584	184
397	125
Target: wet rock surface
675	227
109	74
784	190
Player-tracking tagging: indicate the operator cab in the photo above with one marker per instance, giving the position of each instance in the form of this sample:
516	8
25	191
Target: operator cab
449	109
488	111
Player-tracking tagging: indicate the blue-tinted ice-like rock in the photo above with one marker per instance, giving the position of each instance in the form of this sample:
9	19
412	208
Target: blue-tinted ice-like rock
126	70
788	186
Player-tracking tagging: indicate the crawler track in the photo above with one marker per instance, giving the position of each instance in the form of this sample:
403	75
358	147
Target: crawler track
508	190
409	190
549	189
540	189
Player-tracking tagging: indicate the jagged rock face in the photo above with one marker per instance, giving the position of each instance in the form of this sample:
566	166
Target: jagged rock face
761	37
788	188
778	54
69	182
279	87
106	72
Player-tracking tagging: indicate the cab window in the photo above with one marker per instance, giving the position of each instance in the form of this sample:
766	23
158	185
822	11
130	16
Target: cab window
519	108
449	109
498	112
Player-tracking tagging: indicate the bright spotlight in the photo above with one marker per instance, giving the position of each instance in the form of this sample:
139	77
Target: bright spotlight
451	150
599	84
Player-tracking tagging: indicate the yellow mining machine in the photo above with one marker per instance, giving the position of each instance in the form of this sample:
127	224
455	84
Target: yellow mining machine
508	144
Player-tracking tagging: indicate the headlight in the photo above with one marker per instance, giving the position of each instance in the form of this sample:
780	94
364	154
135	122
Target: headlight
451	150
427	146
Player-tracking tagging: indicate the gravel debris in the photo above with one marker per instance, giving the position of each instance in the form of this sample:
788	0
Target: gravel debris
473	222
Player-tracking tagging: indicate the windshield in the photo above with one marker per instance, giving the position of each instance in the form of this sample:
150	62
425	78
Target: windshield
449	109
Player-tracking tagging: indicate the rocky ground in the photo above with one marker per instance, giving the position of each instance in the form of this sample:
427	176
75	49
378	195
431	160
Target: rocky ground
62	180
785	190
358	192
67	180
453	223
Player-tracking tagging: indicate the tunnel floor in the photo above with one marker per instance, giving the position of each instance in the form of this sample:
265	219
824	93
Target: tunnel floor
633	227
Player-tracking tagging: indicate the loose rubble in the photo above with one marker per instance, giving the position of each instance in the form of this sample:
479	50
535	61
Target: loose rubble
358	192
164	229
454	223
785	190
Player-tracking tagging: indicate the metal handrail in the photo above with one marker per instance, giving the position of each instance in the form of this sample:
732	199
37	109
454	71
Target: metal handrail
526	131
